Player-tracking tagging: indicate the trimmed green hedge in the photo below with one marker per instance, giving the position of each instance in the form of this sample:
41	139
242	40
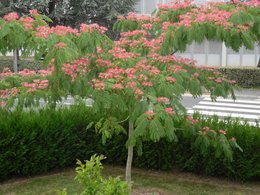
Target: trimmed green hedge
245	77
36	142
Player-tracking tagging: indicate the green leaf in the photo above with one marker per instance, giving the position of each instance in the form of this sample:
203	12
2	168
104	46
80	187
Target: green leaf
156	130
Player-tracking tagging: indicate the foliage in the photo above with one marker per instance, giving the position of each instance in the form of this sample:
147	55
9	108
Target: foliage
245	77
128	81
40	141
89	177
72	12
178	24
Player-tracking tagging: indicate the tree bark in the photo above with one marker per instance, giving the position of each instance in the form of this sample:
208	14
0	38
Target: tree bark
15	62
129	157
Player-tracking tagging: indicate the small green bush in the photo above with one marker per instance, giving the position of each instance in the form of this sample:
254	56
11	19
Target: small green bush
89	177
245	77
36	142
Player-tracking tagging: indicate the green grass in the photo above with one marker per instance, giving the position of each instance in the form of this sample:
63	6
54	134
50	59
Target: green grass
144	181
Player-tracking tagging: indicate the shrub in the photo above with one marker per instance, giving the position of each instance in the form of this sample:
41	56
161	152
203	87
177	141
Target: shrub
89	177
245	77
35	142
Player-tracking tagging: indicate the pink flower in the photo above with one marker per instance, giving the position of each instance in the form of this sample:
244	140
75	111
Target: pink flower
11	16
222	131
232	82
218	80
148	26
27	22
131	84
99	50
34	12
60	45
3	104
163	99
138	92
6	72
192	120
117	86
147	84
169	111
206	129
170	79
150	113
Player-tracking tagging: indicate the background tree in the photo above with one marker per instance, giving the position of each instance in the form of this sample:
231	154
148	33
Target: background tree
72	12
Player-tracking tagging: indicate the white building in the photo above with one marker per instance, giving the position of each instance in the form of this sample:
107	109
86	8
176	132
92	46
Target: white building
209	53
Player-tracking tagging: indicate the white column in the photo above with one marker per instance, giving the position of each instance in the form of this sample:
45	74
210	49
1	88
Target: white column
224	55
206	49
256	54
143	6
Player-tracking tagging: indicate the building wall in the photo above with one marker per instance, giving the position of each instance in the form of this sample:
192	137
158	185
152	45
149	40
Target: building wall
209	53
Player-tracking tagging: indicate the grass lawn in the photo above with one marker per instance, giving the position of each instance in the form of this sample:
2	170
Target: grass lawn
144	181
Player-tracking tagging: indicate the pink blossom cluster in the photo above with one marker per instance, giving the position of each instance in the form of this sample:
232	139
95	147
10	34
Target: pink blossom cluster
175	6
91	27
27	22
192	120
60	45
177	69
205	130
121	53
6	72
170	79
36	84
27	73
133	33
11	17
136	17
148	26
46	31
150	113
102	63
34	12
169	111
44	73
79	67
163	99
207	14
4	94
98	84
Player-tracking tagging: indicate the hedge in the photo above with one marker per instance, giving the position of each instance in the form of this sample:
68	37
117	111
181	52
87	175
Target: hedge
37	142
245	76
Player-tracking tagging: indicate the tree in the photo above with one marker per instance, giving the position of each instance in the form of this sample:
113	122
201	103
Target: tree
73	12
137	79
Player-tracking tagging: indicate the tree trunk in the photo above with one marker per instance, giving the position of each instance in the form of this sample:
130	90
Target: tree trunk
15	62
258	65
129	157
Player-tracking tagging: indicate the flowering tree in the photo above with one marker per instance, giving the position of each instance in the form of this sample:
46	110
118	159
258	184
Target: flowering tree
135	80
16	33
178	24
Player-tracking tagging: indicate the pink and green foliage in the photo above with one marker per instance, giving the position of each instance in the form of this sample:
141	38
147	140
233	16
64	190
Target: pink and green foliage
134	79
16	31
178	24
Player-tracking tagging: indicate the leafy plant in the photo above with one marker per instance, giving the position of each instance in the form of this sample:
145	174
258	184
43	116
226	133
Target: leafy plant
89	177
